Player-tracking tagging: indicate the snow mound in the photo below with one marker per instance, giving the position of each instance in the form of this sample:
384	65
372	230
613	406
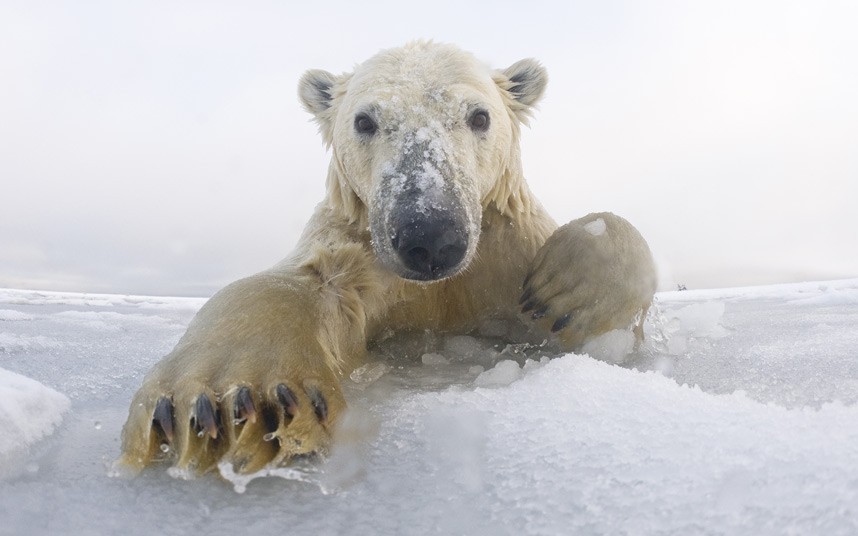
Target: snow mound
580	446
29	412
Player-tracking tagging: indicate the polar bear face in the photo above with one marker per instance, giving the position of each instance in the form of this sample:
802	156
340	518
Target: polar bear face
422	135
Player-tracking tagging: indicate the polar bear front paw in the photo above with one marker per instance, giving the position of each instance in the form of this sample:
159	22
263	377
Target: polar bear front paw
591	276
195	427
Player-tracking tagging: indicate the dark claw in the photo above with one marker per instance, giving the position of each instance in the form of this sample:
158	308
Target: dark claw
561	322
526	280
287	400
528	293
206	418
162	418
244	409
530	305
320	405
539	313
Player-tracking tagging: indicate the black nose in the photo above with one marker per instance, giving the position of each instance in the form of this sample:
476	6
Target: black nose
431	247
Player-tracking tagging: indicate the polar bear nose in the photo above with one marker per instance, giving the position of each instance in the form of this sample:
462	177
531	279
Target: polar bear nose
431	247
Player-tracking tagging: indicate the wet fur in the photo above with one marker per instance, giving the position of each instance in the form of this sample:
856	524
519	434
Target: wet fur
300	326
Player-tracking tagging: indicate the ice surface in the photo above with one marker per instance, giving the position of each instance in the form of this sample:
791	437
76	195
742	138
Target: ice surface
7	315
738	415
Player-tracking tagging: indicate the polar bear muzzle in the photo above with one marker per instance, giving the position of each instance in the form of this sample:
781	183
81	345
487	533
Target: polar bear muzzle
420	226
430	244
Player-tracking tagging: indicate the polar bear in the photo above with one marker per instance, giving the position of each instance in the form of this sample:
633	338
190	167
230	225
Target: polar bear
427	224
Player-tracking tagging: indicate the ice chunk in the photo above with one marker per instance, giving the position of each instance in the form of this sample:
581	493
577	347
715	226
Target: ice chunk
702	319
676	329
532	364
613	346
369	372
29	411
504	373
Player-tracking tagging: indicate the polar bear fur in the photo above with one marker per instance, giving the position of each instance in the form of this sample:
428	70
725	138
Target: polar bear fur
427	224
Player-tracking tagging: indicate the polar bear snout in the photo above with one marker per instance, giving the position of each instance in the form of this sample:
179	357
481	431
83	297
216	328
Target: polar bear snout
424	213
429	245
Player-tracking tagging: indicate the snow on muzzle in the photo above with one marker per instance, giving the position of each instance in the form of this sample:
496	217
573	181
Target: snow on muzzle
420	226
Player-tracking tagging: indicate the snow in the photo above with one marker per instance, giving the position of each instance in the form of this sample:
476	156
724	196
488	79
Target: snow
29	412
596	227
738	415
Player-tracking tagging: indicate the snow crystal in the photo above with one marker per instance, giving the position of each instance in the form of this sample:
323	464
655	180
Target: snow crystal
596	227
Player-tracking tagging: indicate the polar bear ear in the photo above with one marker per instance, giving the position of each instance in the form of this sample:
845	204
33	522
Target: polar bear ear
524	82
316	91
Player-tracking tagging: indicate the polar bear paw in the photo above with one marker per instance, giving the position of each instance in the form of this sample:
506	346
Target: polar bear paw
591	276
195	427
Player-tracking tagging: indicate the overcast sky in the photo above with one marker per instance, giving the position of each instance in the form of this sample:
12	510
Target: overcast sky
159	147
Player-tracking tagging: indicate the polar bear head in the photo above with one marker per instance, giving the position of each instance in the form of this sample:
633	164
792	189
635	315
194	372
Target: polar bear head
424	138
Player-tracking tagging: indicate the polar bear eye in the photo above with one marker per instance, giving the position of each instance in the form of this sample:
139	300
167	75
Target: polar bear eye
479	121
365	125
